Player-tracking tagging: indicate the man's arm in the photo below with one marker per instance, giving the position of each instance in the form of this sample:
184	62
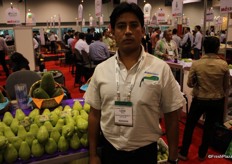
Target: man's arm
93	132
172	131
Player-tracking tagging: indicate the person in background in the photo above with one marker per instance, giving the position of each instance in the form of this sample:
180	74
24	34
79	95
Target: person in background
53	39
209	78
154	38
197	45
19	62
131	90
98	50
148	40
176	38
74	41
90	35
81	44
107	38
187	43
223	37
3	54
166	48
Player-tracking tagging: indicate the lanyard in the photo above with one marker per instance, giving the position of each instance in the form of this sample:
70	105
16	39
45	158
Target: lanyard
132	83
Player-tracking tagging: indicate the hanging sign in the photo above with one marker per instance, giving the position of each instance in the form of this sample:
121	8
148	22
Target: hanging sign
80	12
225	6
147	13
98	8
12	15
30	19
177	8
160	16
209	15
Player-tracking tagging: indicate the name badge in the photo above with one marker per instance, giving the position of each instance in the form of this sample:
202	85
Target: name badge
123	113
171	53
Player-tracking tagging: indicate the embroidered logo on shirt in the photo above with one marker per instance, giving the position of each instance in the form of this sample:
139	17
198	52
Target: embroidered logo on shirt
149	76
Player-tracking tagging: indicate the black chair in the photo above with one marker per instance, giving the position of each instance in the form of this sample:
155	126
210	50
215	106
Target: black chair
58	76
24	76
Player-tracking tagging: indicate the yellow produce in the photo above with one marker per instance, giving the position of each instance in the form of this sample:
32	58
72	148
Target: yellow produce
77	106
7	118
55	134
10	154
63	144
75	142
51	146
37	149
42	135
19	114
24	151
14	126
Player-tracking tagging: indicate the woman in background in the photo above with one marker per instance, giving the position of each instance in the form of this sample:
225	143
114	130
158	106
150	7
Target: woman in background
19	62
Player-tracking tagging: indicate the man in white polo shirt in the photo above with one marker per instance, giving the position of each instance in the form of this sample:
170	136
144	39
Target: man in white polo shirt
127	94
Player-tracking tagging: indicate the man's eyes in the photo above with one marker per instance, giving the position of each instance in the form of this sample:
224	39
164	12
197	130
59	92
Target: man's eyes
123	26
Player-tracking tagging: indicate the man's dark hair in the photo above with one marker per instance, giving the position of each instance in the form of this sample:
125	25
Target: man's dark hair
198	27
97	36
174	31
81	35
211	44
188	28
123	8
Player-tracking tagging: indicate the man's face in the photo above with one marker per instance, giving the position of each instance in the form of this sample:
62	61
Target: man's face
128	32
168	36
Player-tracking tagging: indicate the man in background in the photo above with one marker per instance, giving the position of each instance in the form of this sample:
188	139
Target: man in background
3	53
98	50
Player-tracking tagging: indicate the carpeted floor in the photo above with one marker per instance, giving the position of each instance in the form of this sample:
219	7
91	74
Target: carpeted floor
75	93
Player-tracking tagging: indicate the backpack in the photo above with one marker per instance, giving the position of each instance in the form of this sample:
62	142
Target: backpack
187	45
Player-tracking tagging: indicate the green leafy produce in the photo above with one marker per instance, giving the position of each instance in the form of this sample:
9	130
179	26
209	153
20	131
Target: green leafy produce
42	134
7	118
51	146
40	93
10	154
24	151
37	149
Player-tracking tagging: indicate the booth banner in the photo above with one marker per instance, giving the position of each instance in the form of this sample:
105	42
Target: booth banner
101	21
147	13
225	6
30	19
83	22
209	15
59	19
153	20
161	16
12	16
177	8
132	1
80	12
98	8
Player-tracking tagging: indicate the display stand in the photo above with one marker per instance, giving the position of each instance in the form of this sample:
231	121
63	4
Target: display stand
24	44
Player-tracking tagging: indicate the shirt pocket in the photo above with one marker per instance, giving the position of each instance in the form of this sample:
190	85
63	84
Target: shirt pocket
150	93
